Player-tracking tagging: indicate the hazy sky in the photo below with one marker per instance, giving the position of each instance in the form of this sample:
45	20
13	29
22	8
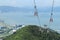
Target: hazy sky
29	3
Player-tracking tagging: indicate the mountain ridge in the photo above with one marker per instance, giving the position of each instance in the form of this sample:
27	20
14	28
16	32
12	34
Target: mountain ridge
4	9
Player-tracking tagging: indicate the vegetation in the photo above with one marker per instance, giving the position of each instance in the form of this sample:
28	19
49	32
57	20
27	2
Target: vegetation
33	32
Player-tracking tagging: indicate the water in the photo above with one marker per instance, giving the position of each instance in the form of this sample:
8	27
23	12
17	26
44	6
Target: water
29	18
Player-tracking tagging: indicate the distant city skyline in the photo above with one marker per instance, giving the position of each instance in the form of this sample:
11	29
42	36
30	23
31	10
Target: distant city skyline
29	3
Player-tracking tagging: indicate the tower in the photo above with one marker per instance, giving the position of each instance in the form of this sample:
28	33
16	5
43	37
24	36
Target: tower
36	12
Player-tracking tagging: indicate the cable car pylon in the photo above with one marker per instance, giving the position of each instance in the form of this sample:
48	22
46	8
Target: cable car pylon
36	13
51	17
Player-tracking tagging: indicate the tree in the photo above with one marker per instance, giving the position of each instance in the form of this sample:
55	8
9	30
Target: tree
33	32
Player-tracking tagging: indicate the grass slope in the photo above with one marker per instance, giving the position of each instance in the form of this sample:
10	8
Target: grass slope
33	32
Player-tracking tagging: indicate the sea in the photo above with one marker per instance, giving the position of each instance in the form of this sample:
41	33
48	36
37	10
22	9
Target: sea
28	18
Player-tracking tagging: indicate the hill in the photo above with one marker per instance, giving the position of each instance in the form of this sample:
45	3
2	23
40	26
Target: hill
33	32
4	9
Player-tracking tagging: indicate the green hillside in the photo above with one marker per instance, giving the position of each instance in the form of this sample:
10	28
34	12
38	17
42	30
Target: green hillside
33	32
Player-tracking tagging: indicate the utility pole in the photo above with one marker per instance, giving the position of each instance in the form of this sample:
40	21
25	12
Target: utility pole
36	13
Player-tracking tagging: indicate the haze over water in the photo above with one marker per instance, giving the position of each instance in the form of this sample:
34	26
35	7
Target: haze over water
28	18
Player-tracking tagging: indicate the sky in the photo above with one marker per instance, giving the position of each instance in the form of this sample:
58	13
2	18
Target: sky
29	3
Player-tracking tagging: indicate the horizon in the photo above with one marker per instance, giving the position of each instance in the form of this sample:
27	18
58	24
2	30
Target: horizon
27	9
